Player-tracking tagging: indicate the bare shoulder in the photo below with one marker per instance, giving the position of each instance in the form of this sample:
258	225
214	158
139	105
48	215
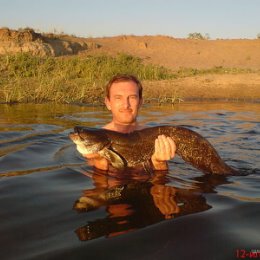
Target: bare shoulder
108	126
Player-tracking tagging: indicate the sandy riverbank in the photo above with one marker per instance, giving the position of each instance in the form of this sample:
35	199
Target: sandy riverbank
237	87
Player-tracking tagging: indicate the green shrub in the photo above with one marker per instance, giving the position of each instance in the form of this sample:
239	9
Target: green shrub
198	36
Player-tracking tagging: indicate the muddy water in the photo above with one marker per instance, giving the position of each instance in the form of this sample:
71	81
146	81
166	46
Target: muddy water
55	206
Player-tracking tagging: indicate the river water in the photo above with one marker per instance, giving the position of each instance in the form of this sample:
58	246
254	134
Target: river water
55	206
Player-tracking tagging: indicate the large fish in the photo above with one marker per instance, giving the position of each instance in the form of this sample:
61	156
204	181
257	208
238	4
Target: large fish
135	148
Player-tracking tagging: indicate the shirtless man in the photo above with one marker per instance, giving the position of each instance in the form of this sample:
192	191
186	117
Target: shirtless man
124	99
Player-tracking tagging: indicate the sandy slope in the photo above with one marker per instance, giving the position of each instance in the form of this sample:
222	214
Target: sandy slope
175	53
201	54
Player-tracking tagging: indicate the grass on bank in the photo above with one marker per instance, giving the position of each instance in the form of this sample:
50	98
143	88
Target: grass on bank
74	79
27	78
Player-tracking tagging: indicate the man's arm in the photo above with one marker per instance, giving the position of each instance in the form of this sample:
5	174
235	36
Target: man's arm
164	150
93	159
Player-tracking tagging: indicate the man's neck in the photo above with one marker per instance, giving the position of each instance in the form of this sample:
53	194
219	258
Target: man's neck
122	128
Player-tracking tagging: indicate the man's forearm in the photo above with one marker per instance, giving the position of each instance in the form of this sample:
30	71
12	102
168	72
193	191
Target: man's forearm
98	162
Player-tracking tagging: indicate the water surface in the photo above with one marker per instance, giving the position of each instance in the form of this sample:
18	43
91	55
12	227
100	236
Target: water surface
54	206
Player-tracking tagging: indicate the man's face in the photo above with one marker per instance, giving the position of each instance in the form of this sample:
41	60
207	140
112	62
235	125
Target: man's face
124	102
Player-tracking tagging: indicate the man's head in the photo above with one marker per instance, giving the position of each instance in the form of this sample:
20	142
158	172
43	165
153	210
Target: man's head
124	98
124	78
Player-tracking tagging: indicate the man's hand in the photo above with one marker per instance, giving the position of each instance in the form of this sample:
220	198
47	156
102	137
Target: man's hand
164	150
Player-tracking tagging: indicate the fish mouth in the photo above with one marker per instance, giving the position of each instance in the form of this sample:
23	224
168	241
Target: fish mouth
75	138
89	138
85	147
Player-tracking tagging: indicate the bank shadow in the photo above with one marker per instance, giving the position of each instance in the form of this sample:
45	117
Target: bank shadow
133	204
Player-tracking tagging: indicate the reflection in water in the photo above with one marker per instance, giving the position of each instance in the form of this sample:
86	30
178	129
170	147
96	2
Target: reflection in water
132	205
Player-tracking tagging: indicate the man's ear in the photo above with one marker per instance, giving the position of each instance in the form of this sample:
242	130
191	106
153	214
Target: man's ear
107	103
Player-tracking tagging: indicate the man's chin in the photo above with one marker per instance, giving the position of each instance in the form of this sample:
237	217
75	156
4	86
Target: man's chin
127	119
127	122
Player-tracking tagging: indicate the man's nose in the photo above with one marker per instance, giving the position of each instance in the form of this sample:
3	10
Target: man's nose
126	103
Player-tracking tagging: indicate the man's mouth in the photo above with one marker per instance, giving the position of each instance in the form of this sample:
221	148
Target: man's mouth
126	111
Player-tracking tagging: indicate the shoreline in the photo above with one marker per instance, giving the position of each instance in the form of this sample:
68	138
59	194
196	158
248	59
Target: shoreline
148	102
243	87
26	78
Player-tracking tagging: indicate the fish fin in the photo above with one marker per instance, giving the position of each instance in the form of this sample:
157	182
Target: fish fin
115	159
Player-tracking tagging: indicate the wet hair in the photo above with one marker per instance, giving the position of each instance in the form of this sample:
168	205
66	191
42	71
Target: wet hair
124	78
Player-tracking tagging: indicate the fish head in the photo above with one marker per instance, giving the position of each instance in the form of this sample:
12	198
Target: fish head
89	140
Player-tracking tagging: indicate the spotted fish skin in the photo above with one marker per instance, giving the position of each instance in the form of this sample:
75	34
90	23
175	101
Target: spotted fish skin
137	147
